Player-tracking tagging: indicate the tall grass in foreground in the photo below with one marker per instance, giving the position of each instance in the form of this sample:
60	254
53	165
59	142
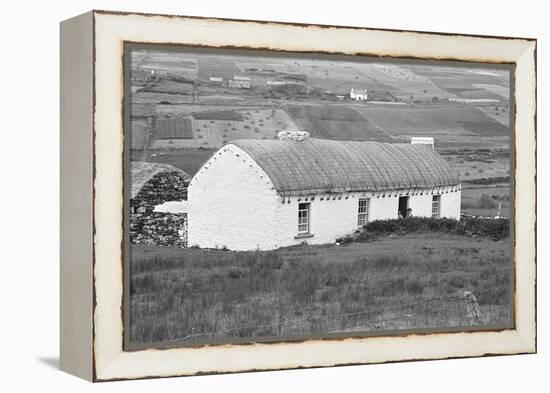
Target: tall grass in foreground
409	282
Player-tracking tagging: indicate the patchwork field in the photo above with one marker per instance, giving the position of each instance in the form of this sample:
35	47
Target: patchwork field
434	120
467	82
299	93
336	122
215	128
400	282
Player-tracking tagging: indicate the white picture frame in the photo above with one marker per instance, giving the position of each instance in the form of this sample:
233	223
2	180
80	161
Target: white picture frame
92	154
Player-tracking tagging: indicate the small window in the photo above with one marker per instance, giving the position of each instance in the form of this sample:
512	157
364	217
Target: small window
363	212
436	203
303	217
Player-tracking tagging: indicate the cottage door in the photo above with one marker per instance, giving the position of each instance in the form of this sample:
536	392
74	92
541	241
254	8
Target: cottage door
403	205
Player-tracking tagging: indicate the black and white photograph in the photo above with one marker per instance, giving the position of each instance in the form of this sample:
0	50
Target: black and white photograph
278	196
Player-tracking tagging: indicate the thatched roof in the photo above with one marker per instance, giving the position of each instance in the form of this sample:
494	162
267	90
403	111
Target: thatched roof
317	166
142	172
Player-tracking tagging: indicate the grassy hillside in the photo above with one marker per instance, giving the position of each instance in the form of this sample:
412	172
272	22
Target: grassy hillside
396	282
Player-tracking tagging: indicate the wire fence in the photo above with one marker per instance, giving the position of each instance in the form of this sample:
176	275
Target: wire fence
467	309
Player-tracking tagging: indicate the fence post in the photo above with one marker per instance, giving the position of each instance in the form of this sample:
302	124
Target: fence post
473	313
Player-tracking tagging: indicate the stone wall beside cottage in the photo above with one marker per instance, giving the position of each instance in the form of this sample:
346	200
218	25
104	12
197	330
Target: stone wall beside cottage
155	228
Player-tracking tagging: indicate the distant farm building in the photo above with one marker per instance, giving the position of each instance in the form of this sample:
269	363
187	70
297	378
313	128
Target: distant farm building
148	73
265	194
282	83
154	70
240	82
358	94
158	195
423	140
216	79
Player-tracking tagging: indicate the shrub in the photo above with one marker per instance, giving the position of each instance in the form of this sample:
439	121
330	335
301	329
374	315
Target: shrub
495	229
486	202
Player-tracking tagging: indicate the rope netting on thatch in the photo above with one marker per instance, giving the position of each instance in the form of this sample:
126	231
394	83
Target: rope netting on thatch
316	166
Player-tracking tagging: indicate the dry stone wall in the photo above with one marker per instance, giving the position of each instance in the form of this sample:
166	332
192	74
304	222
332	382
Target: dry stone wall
155	228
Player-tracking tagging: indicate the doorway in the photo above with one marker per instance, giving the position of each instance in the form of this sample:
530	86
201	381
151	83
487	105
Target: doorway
403	205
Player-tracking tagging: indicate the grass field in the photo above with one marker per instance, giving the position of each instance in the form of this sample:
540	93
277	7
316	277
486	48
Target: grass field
434	120
335	122
477	164
404	281
474	203
188	160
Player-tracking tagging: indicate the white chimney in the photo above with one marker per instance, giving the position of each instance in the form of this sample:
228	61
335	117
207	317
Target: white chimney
422	140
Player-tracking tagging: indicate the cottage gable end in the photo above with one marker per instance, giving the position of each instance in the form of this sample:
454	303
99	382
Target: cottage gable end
232	203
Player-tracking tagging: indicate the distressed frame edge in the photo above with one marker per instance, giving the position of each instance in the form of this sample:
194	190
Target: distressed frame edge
525	338
76	207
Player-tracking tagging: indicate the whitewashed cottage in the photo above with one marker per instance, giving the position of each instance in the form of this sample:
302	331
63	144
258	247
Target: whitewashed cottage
265	194
358	94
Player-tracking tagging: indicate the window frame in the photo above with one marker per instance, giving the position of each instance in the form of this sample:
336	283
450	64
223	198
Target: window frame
363	215
437	200
308	217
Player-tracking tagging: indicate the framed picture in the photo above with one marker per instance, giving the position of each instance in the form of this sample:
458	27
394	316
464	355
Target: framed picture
245	195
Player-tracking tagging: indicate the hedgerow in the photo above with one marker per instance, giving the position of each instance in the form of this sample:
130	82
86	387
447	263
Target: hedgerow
495	229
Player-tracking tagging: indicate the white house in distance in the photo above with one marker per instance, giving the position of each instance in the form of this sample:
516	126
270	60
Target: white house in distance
240	82
423	140
265	194
358	94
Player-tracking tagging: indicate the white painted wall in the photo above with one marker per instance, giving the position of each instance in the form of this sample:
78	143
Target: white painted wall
383	207
334	218
329	219
232	203
450	204
421	204
176	207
